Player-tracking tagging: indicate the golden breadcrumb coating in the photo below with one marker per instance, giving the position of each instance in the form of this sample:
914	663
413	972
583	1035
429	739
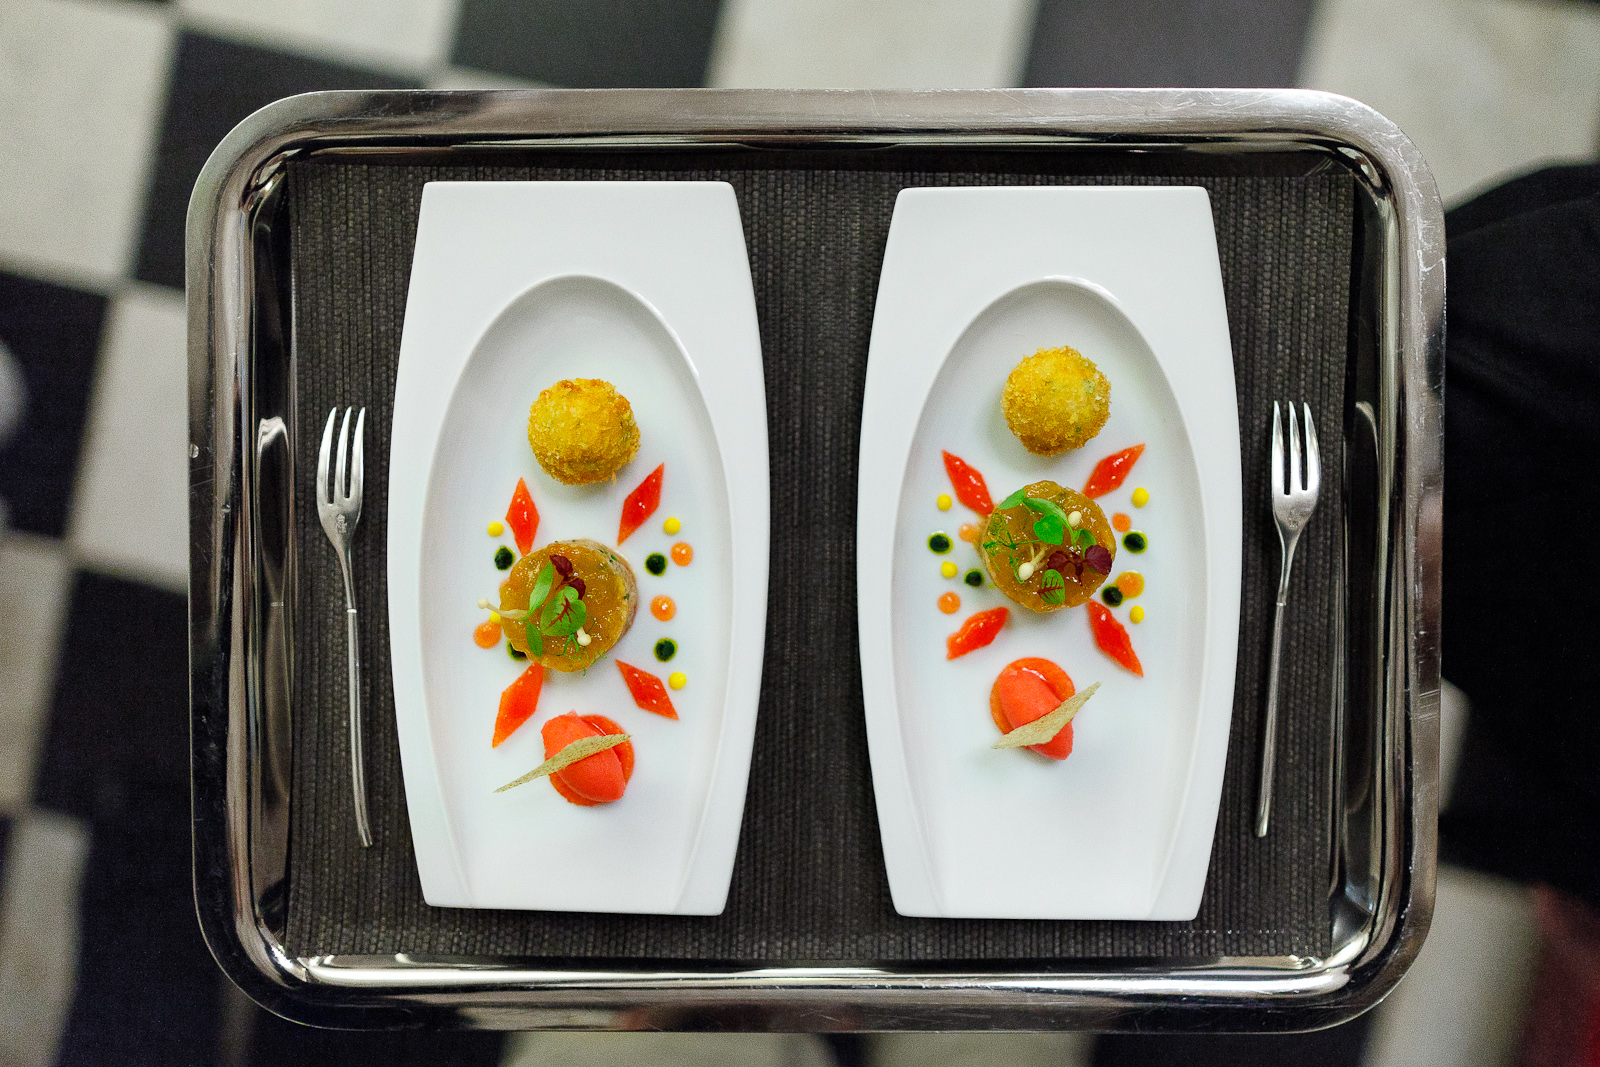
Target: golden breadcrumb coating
582	431
1055	401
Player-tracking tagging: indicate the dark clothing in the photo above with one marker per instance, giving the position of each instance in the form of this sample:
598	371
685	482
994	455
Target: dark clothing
1522	528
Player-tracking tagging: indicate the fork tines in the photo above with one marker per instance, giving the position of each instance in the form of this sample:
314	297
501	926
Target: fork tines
1306	477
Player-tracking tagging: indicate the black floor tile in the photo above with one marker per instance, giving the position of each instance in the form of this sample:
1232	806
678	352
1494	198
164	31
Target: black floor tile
148	991
120	717
600	44
277	1042
1171	43
54	334
1339	1046
215	85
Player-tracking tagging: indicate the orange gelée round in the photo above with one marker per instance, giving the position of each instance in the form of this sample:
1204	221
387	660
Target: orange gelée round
663	608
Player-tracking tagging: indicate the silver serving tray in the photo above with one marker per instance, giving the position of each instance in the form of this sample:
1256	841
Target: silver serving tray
242	571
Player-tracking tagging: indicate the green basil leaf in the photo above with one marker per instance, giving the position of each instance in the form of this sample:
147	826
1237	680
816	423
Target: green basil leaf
541	586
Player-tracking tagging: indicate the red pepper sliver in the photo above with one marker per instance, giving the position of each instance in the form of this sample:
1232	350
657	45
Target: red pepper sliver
969	485
641	503
522	517
1109	472
1112	638
647	690
519	701
979	630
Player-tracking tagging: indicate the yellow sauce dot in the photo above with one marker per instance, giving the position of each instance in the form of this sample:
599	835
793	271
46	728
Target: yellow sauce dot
496	529
945	501
1131	583
1137	614
671	526
948	569
1141	497
677	679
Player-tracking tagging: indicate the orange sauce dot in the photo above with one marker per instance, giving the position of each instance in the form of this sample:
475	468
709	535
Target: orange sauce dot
968	533
1121	523
487	635
682	553
1131	583
949	603
663	608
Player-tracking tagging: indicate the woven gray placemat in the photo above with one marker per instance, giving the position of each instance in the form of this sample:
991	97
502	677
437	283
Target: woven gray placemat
809	883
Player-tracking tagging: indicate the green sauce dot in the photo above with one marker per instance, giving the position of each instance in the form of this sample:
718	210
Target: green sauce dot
503	559
974	578
666	648
1111	595
656	564
1134	541
513	653
940	543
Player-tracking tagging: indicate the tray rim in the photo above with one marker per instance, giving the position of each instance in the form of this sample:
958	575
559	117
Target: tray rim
227	696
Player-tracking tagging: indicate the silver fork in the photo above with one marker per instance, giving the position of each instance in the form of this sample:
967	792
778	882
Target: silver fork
1293	500
340	509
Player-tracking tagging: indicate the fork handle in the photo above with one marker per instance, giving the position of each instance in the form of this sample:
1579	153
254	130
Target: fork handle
1269	744
358	777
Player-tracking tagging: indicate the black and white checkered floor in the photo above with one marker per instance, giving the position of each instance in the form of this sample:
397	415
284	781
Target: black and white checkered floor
107	111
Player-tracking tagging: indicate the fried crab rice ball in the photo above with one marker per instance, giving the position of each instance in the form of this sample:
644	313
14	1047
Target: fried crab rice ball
1055	401
582	431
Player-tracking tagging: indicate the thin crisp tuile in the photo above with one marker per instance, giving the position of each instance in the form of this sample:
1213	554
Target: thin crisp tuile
1043	729
582	748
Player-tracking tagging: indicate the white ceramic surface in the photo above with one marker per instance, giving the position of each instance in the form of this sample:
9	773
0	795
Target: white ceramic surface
514	286
973	281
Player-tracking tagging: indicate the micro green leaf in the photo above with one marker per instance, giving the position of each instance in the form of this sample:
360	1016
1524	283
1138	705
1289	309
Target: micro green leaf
1050	529
541	586
535	639
1054	596
1083	537
568	623
1053	580
1019	497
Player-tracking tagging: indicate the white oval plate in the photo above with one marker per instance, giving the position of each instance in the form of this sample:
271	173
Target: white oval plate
973	281
515	286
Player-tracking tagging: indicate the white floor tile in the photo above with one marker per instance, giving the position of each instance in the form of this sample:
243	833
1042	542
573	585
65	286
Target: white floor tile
1461	1003
1486	88
38	935
870	44
981	1050
665	1050
34	579
450	78
82	86
130	513
407	36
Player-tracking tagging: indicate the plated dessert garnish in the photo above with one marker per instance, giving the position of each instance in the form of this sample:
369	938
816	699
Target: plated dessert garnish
1045	547
566	604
